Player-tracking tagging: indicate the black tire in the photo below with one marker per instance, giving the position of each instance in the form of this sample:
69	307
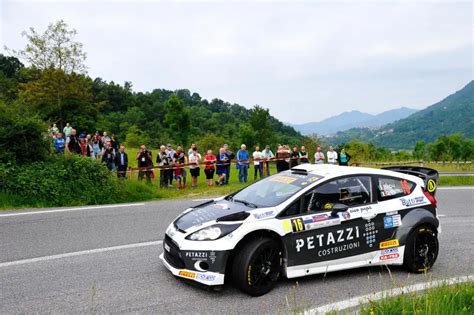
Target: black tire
421	249
257	266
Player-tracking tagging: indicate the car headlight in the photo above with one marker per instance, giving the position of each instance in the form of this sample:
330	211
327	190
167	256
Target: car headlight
212	232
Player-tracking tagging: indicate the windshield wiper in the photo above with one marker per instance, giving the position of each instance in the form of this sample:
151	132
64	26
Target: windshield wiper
248	204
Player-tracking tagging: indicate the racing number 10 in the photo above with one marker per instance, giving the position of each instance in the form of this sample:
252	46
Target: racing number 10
297	225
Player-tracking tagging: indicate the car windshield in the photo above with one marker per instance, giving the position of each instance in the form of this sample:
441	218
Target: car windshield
275	189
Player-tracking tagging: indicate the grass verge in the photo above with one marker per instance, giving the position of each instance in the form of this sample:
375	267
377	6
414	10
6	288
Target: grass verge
455	299
456	181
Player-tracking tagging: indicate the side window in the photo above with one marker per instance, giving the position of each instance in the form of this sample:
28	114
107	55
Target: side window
351	191
391	187
293	209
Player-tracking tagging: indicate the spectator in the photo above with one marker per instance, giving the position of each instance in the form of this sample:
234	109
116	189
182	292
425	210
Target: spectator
105	138
221	166
257	163
170	152
96	147
194	159
83	145
344	157
67	130
144	162
209	169
283	154
332	156
108	156
72	143
121	161
59	143
55	129
303	155
267	155
163	160
114	142
230	156
190	151
319	156
180	160
294	156
243	159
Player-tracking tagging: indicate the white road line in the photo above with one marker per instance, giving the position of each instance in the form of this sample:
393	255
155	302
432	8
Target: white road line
204	199
14	214
80	253
456	188
365	299
441	215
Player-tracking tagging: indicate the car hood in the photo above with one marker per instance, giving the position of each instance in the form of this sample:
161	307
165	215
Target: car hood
209	211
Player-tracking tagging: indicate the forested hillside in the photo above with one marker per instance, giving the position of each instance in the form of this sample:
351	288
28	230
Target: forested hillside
454	114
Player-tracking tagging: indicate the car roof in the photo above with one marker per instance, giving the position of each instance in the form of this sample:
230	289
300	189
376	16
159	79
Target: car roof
330	171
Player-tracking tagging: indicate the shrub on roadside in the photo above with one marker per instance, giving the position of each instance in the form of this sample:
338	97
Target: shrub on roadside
60	181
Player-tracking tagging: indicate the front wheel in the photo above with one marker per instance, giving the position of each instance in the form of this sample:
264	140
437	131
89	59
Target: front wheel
421	250
257	266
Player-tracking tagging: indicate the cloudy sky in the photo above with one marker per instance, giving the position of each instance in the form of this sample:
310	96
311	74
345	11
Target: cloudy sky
305	61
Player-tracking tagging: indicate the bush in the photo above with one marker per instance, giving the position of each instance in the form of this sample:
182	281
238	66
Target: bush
60	181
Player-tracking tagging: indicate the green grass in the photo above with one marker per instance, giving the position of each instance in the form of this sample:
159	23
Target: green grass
455	299
456	181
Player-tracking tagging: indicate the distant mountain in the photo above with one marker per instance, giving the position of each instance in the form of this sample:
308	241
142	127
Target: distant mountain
454	114
352	119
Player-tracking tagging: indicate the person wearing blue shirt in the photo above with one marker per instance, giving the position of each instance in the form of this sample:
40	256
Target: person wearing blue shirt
59	143
243	159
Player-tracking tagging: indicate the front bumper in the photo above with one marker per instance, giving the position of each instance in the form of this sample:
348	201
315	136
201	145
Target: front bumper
203	266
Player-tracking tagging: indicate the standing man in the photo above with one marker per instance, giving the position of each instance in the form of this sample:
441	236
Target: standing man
108	156
267	155
121	161
144	161
257	163
303	155
163	161
294	156
230	156
243	159
180	160
170	152
72	143
332	156
319	156
190	151
67	130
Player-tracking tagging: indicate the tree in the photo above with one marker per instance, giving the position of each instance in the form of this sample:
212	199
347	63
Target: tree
259	122
10	68
54	49
177	118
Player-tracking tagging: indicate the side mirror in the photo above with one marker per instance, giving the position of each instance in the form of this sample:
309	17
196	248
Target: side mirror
338	207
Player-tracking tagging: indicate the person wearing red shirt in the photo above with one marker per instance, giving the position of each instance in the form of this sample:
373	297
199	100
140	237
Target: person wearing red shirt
210	159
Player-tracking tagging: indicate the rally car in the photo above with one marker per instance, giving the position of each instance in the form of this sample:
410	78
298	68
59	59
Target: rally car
308	220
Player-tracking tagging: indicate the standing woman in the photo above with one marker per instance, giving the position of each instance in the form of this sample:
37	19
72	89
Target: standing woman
221	166
209	169
194	159
344	158
96	147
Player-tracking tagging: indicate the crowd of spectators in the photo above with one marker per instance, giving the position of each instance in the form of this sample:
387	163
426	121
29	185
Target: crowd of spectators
173	165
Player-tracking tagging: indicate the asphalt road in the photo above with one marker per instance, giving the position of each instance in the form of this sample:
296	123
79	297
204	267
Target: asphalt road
132	279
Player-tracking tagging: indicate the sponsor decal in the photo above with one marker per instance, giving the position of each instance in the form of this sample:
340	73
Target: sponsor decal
313	179
304	183
167	247
187	274
370	233
392	213
199	256
387	244
205	277
386	251
263	215
297	225
389	256
320	220
222	206
348	236
431	185
283	179
286	224
360	209
328	206
345	215
392	221
408	202
405	187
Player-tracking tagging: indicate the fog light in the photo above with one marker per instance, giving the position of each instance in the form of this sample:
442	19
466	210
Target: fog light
204	265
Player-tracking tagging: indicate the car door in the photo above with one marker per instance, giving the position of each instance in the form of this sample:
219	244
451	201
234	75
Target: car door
318	235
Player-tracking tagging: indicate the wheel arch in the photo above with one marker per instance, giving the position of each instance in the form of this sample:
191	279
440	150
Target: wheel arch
414	219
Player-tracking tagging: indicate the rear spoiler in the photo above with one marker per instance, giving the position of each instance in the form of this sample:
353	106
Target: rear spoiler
429	175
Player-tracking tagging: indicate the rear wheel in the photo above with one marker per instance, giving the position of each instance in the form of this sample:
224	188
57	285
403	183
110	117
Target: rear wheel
257	266
421	249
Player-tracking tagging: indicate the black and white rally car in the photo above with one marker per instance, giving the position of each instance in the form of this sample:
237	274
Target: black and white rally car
308	220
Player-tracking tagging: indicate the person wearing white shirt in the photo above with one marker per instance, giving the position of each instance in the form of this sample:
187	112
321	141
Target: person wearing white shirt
257	163
319	156
332	156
